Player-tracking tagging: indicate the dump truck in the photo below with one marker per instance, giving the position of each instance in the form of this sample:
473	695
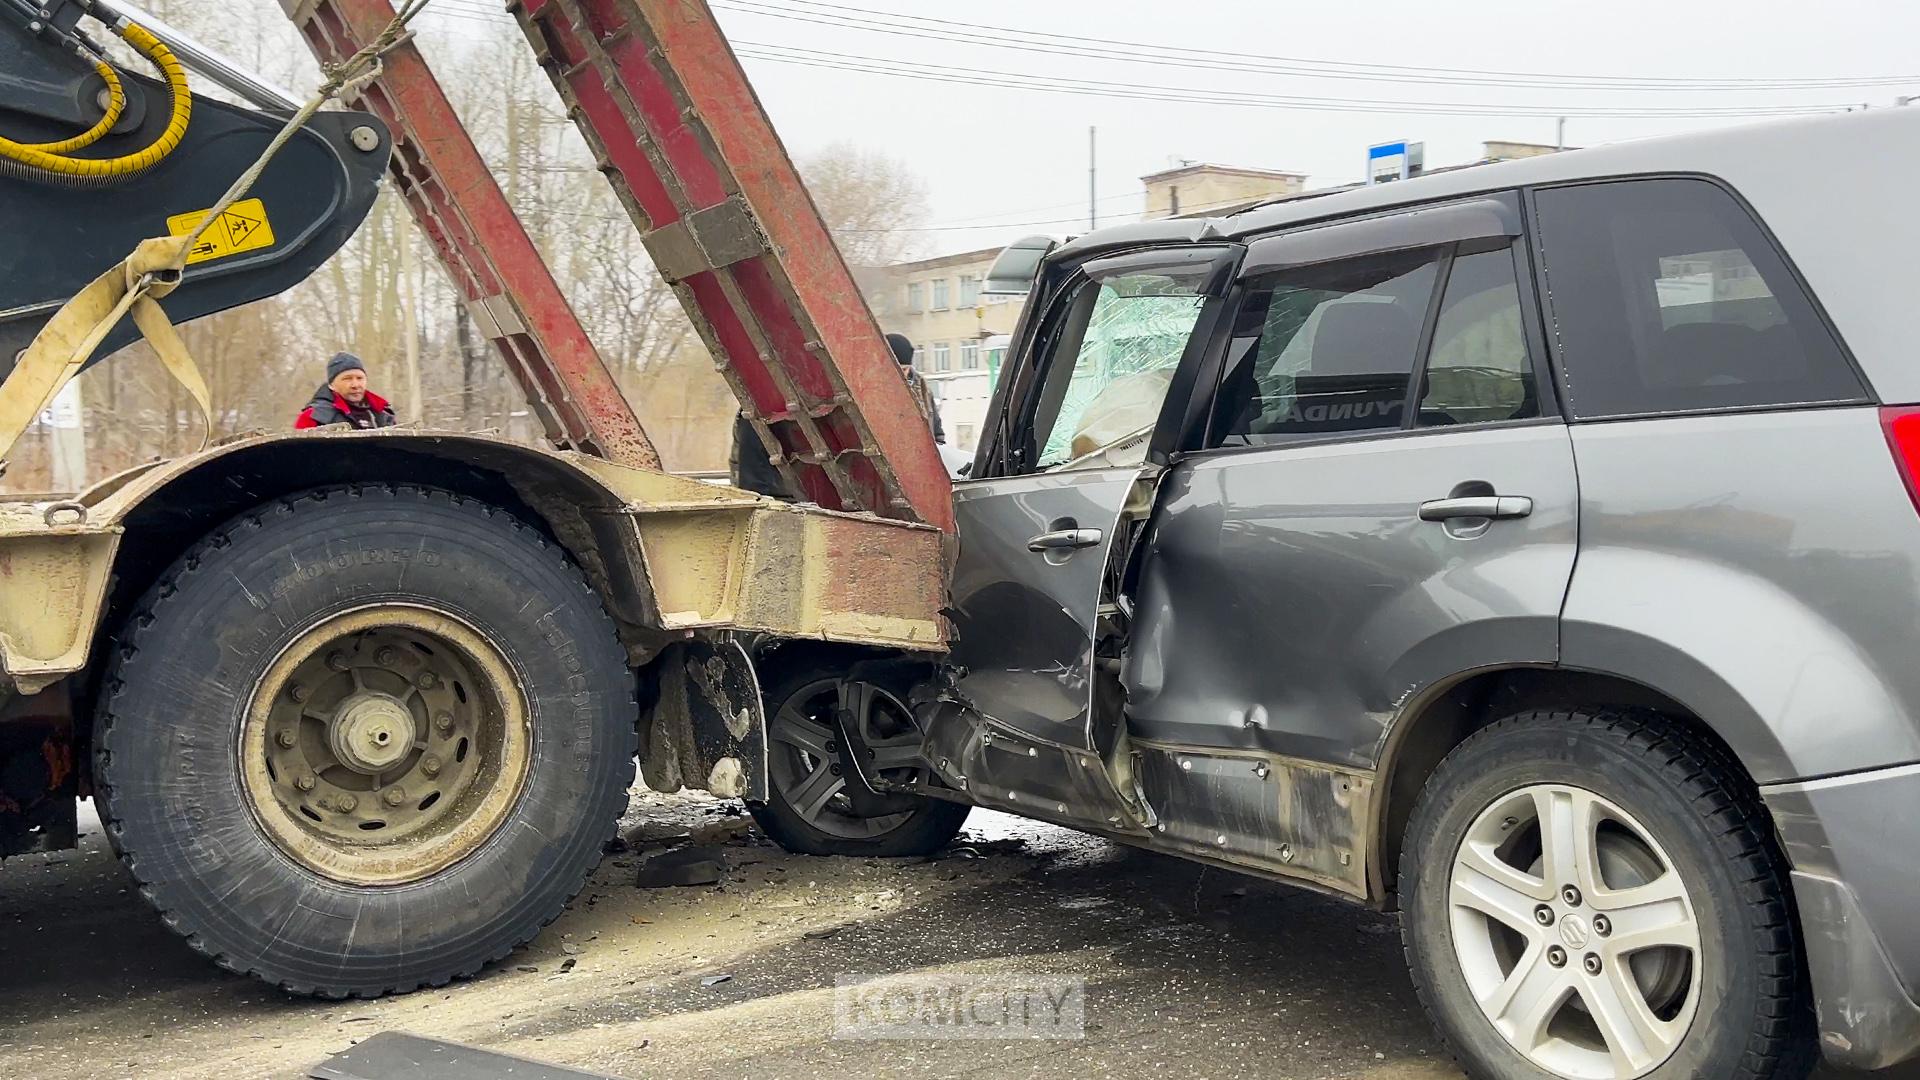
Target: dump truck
360	709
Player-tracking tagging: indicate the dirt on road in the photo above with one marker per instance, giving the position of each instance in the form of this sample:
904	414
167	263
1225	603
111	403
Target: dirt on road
1189	971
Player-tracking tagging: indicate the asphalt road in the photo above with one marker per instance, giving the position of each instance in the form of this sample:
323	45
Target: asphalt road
1189	972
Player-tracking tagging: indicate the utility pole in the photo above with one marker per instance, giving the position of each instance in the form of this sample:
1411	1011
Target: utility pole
67	437
1093	217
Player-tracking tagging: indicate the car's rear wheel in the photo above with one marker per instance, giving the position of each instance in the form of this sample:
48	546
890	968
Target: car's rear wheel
339	751
808	809
1595	896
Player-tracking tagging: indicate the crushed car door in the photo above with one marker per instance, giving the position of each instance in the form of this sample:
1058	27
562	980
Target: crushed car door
1384	499
1036	541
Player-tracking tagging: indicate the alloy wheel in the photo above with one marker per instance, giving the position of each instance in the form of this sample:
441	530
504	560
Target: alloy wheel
806	760
1575	933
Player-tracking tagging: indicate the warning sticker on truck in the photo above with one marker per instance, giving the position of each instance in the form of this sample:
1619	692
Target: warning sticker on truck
242	227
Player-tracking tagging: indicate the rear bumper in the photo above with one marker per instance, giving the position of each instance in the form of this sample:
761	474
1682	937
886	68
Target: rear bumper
1853	842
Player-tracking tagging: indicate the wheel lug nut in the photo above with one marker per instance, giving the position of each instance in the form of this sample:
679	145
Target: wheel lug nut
1592	964
430	765
346	804
286	737
1602	925
385	656
443	722
832	747
395	796
1571	895
835	769
337	660
296	692
1543	915
1557	956
426	680
304	782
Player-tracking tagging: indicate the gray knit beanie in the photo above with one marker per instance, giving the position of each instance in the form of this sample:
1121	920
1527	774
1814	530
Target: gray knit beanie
343	361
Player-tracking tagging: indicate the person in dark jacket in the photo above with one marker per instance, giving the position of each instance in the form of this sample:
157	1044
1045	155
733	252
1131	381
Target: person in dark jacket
917	386
345	399
752	469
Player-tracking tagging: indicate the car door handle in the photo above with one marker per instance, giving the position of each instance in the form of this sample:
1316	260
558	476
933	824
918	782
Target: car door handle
1064	540
1476	506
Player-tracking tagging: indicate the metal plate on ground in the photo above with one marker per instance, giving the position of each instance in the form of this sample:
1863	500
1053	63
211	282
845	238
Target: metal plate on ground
396	1055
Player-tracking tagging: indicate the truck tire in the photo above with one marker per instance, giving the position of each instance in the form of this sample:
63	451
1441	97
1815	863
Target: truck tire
365	739
1645	931
804	812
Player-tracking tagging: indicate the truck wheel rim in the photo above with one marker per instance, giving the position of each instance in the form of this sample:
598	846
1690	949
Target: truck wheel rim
803	760
1575	934
384	745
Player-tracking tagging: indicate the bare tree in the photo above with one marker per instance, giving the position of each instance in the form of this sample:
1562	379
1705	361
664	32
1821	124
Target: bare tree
871	202
263	361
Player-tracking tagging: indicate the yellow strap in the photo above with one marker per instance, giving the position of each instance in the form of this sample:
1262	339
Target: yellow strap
151	318
68	340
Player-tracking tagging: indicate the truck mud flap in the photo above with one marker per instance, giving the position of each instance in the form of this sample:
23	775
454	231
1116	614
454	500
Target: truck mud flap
39	775
706	729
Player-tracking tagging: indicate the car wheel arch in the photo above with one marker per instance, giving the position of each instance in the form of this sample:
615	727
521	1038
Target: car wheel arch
1429	725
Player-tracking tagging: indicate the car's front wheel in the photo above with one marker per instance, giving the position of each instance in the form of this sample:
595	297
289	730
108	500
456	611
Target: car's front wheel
808	809
1595	896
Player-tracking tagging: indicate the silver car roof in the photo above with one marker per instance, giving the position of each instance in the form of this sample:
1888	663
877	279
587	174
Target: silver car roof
1840	192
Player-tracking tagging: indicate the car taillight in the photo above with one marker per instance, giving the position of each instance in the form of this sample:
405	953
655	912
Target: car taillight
1902	425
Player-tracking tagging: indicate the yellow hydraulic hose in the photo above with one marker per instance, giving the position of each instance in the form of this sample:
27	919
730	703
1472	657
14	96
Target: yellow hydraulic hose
52	161
116	104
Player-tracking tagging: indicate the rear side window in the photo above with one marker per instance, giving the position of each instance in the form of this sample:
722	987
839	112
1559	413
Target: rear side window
1328	348
1666	297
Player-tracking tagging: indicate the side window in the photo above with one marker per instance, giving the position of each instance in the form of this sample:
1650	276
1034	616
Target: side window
1478	369
1326	348
1113	349
1667	297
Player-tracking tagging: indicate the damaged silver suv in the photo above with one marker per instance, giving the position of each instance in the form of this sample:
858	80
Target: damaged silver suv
1531	547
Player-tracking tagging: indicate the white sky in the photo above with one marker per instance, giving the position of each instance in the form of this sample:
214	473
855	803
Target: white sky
1016	159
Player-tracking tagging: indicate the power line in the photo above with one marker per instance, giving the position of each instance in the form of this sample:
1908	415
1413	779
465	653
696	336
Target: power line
474	10
1104	199
900	24
873	65
1070	218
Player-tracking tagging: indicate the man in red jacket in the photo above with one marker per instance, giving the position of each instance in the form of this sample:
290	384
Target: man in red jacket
345	399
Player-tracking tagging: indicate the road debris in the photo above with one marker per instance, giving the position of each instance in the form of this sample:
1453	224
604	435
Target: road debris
723	831
681	866
396	1055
